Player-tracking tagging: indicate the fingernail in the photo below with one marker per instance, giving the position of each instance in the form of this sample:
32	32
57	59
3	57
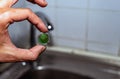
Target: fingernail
43	28
44	1
43	48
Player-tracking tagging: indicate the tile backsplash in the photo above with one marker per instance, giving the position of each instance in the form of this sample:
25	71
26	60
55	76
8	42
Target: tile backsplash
105	4
20	39
85	24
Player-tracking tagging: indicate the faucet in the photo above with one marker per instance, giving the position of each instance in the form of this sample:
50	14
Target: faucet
49	25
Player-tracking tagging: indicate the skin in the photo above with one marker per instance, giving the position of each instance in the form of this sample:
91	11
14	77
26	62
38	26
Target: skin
8	51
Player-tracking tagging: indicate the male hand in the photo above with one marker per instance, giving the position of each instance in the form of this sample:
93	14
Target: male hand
8	51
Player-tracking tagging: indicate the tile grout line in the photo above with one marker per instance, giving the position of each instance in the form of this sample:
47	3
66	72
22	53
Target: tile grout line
56	17
119	49
86	30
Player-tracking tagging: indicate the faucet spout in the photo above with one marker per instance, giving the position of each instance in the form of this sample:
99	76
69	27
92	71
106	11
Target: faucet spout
49	25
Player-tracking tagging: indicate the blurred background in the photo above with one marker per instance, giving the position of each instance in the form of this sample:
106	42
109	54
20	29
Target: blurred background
90	25
85	40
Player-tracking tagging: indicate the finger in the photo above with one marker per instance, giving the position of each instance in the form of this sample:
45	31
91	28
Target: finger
31	54
10	53
22	14
7	3
41	3
14	1
13	54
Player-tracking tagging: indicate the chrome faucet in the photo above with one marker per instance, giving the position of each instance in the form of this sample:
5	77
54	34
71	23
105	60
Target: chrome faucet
49	25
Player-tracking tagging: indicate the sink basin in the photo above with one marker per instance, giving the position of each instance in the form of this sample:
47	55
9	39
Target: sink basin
52	74
54	65
59	65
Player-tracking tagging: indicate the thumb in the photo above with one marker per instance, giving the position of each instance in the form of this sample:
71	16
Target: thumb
14	54
7	3
31	54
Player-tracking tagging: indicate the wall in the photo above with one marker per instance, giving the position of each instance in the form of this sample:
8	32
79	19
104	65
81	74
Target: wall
91	25
20	31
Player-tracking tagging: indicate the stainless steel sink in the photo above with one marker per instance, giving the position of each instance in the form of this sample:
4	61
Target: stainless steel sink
59	65
52	74
52	65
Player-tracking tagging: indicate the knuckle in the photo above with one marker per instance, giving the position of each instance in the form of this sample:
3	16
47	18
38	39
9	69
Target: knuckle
6	15
28	10
34	57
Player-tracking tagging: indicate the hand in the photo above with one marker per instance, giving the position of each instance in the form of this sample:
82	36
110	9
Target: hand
8	51
41	3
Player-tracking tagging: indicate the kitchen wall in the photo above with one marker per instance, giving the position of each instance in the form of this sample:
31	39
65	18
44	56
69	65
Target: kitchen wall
91	25
20	31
